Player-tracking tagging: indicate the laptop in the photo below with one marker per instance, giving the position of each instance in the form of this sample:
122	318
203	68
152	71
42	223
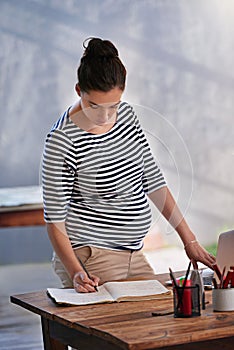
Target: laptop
224	256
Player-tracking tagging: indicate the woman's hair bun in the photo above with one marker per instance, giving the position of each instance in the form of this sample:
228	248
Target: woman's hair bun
98	48
100	67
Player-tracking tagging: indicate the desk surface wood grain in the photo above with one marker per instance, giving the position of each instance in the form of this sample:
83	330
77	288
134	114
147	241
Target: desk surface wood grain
130	325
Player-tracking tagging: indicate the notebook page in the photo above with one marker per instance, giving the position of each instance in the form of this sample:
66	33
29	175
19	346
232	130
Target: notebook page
70	296
141	288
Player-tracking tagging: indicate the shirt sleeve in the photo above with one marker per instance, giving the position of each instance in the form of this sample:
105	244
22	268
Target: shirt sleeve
153	178
58	173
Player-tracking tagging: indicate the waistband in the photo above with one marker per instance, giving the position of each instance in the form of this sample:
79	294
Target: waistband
115	248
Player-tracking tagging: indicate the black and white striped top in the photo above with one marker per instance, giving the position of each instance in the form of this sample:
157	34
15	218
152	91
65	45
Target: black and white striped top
97	184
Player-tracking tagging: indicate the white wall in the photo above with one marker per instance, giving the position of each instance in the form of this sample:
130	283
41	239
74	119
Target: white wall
179	55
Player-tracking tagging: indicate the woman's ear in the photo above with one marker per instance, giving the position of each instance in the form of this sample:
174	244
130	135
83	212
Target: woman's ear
77	88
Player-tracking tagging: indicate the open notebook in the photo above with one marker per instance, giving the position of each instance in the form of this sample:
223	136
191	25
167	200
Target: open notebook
111	292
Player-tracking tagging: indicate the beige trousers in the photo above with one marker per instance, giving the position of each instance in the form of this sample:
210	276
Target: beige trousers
107	264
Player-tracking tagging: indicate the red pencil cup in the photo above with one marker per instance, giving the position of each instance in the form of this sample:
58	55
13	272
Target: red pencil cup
186	301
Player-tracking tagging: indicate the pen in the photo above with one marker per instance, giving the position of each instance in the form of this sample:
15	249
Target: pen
84	268
229	280
217	270
187	273
173	278
232	281
187	301
214	283
222	278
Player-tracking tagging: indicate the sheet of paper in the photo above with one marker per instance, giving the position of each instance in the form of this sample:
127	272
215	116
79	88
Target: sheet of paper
70	296
135	288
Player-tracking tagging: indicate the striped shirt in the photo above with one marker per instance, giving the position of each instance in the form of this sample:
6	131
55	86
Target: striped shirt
97	183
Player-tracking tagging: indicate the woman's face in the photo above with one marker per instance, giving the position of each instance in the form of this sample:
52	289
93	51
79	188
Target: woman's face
100	107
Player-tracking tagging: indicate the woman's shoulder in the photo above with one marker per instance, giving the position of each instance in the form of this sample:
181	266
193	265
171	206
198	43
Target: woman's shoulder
61	122
126	112
61	129
124	105
126	108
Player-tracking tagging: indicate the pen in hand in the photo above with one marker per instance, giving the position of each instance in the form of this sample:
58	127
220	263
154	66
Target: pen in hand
84	268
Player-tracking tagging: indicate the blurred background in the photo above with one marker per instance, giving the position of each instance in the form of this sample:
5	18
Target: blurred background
179	57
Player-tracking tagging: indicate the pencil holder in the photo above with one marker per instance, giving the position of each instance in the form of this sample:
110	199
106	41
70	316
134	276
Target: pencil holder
223	299
186	301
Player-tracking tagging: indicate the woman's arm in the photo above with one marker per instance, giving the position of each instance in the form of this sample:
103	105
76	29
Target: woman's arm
166	204
62	246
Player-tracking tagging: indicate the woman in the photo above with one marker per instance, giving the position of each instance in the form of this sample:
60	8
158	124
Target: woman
98	171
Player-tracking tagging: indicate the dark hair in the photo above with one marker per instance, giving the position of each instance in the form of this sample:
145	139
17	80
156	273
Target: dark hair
100	67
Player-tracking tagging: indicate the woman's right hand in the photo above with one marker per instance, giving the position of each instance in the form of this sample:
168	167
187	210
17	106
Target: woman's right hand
83	284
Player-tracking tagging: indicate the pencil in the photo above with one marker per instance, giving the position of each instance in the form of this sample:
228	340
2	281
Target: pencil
173	278
84	268
180	299
187	273
217	270
222	277
214	283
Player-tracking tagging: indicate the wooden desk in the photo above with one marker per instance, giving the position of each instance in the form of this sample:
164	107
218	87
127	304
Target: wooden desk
128	325
21	206
25	215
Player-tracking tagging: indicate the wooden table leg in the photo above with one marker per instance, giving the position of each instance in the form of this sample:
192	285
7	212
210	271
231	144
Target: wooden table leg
49	342
77	339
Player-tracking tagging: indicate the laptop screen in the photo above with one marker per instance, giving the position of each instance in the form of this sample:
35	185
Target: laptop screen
225	250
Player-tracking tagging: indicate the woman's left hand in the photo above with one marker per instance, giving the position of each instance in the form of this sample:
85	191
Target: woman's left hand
197	253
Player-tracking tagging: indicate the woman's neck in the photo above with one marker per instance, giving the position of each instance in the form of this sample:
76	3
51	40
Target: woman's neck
79	118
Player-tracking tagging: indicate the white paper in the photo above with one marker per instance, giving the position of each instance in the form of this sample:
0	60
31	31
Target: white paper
70	296
110	292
